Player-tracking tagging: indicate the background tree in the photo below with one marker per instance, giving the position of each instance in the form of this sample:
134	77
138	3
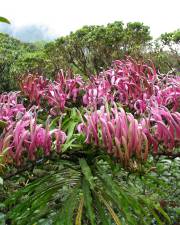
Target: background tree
96	46
165	52
171	41
87	51
10	49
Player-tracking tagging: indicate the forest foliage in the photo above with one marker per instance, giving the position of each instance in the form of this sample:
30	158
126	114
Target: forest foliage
90	128
87	51
97	150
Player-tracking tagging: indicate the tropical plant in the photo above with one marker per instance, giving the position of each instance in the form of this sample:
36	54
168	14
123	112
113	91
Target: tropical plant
76	151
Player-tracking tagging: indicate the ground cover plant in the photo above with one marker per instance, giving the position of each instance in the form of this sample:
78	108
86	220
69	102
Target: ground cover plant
102	150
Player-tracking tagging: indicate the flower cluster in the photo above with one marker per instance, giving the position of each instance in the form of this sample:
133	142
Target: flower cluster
124	137
162	128
117	132
34	87
9	106
62	89
134	85
56	93
26	137
130	111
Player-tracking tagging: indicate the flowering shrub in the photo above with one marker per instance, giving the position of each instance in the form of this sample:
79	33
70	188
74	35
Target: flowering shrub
89	135
25	137
117	132
154	99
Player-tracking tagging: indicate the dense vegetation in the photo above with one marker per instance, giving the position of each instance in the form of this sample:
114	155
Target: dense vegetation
90	149
87	51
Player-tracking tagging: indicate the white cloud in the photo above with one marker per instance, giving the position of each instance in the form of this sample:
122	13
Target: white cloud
63	16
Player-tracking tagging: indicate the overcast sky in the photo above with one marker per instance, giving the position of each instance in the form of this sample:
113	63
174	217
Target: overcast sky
63	16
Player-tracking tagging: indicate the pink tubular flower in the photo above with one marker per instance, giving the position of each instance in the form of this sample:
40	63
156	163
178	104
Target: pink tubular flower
117	132
162	129
60	137
97	93
152	101
26	136
34	87
56	97
9	107
56	93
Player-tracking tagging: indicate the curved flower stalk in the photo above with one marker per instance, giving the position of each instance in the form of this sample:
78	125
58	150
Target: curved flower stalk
63	89
9	106
34	87
140	106
134	85
69	85
127	82
57	93
120	134
163	129
9	111
10	97
98	93
170	96
56	97
133	81
26	138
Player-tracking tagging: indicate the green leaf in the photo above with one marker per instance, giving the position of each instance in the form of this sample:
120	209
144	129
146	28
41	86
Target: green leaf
71	128
53	123
101	212
67	145
32	202
80	211
4	20
126	203
87	173
65	217
111	211
88	201
163	213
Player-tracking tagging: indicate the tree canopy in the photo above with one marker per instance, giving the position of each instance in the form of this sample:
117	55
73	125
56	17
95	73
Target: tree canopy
86	51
